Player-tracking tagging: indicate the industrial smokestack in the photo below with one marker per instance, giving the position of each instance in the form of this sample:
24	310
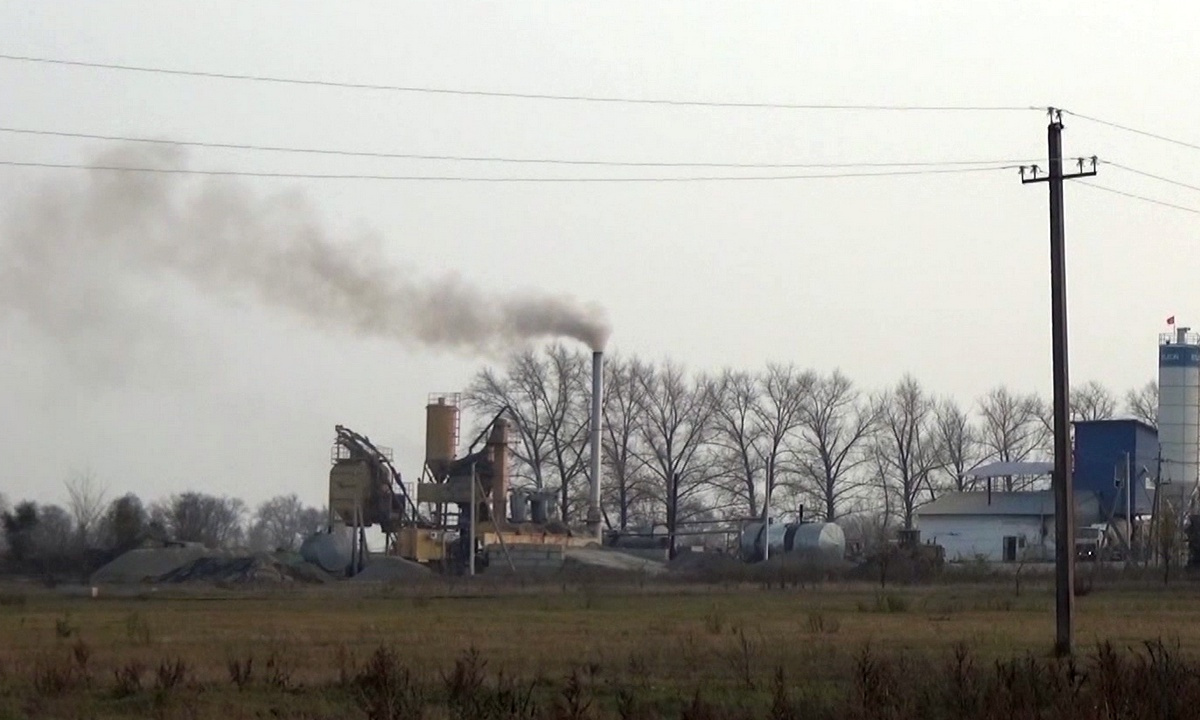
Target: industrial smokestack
594	520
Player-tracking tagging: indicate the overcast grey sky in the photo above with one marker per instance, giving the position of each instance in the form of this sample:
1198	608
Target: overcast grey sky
943	276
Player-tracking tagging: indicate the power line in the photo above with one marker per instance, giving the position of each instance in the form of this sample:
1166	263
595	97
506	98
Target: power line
1135	196
464	178
496	159
514	95
1152	176
1134	130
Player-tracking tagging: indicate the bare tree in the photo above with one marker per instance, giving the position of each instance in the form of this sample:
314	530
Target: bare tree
195	517
623	399
20	524
959	441
1142	403
778	415
283	522
908	447
125	523
5	511
54	537
1092	401
738	439
834	422
86	504
547	395
677	424
1012	427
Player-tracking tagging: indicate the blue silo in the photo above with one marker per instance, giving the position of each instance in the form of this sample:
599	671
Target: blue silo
1100	452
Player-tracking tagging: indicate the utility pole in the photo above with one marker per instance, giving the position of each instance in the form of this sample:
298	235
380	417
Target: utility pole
1064	501
767	521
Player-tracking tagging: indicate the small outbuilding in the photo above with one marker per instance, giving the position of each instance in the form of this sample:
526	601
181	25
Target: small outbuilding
999	526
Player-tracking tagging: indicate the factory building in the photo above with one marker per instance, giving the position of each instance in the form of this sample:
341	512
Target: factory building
1109	451
998	526
1126	474
1012	526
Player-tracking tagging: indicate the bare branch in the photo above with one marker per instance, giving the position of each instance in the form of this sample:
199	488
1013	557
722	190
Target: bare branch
1142	403
960	444
1092	401
908	447
834	422
86	504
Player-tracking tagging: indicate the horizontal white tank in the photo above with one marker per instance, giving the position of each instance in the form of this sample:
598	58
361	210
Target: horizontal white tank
821	541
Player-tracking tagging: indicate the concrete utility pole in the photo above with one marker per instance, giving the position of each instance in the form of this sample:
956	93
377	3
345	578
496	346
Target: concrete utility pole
1064	501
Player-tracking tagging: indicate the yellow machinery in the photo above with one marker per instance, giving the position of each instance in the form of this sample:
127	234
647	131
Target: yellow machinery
365	489
459	513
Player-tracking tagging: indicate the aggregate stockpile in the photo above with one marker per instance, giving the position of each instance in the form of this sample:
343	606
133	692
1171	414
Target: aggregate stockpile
191	563
147	564
261	568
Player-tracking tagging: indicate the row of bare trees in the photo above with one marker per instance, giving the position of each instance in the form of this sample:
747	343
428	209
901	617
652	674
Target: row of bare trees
89	527
682	446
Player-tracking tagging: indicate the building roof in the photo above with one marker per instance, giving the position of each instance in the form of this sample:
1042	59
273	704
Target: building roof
1006	469
1120	420
1037	502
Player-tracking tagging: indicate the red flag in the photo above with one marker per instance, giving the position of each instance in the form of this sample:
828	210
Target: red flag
1171	320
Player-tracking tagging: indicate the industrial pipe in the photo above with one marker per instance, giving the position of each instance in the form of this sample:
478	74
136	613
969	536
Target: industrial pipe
594	521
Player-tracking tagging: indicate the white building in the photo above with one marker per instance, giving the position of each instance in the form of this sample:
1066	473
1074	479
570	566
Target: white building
998	526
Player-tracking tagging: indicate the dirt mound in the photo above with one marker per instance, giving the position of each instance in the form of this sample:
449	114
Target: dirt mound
146	564
262	568
607	559
388	569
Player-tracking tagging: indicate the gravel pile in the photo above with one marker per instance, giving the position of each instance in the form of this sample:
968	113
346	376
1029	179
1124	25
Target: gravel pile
255	569
389	569
146	564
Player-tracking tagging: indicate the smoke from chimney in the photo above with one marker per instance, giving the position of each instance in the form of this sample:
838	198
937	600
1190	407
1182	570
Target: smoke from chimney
84	256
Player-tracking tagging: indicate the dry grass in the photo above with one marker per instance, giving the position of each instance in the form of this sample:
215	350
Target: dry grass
590	650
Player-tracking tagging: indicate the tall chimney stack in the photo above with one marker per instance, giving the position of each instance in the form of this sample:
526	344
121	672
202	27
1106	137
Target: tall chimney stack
594	518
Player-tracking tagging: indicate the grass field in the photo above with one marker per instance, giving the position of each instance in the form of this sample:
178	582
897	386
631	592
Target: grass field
594	649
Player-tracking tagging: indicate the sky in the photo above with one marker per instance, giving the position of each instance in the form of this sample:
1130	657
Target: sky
942	276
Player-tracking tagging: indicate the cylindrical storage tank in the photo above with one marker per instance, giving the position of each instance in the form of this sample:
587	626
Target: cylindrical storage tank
518	506
820	541
539	508
1179	413
329	551
751	541
441	433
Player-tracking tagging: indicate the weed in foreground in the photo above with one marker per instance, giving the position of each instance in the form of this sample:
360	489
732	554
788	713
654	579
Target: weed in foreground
386	691
128	678
170	674
820	624
240	671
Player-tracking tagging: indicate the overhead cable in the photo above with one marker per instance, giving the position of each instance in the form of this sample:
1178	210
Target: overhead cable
514	95
1134	130
499	159
1135	196
477	179
1152	176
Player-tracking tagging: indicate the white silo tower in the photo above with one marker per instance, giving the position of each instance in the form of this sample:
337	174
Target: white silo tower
1179	414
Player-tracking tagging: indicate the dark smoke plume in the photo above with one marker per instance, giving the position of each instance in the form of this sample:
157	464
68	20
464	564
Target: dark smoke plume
84	259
